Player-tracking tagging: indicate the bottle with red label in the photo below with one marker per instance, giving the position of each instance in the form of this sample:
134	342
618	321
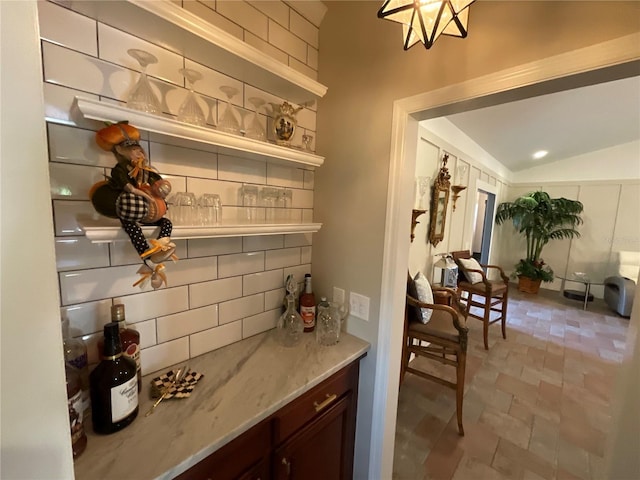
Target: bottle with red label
308	305
129	338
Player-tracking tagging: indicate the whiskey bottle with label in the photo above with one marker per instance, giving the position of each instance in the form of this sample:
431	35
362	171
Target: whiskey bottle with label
113	386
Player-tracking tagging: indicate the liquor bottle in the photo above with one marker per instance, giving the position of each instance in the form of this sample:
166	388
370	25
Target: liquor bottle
75	354
76	410
290	325
291	287
114	393
308	305
129	338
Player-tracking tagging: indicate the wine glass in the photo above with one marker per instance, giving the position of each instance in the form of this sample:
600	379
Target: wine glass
190	111
255	129
423	186
306	142
229	121
142	97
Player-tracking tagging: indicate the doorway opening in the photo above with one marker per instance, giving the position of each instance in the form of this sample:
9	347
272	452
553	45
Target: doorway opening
483	225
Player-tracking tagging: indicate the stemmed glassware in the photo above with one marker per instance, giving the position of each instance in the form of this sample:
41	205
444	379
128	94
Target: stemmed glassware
142	97
229	121
306	142
190	111
423	186
255	129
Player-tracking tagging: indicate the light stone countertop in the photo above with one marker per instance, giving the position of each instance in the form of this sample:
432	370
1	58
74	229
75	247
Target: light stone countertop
243	384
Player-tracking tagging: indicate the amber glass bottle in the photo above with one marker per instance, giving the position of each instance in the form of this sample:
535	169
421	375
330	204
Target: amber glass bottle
113	386
308	305
129	338
76	409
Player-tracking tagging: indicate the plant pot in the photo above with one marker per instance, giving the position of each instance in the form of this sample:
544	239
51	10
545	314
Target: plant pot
528	285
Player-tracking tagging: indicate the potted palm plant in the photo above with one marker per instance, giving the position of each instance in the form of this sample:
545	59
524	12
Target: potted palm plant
540	219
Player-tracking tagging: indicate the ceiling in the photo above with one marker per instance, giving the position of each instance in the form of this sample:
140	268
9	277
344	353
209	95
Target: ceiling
566	124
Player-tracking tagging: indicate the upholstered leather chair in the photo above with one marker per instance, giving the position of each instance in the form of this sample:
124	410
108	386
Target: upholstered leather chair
445	337
489	295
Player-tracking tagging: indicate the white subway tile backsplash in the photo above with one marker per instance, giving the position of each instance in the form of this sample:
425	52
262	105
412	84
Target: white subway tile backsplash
65	27
98	283
277	11
75	253
186	323
305	254
238	169
266	48
244	15
115	43
298	240
66	214
204	247
87	318
207	293
274	298
205	9
222	289
189	270
147	330
309	178
172	160
240	308
155	303
285	40
240	264
163	355
260	323
215	338
261	282
262	242
304	29
73	182
285	257
77	146
282	176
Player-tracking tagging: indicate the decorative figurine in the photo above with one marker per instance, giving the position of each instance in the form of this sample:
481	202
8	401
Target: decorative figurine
135	194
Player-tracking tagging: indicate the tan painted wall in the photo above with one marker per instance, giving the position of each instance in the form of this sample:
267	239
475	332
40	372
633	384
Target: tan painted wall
362	62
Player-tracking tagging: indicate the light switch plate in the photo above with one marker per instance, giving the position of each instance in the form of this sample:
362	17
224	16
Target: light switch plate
359	306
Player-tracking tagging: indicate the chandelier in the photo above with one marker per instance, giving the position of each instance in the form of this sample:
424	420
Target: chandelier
426	20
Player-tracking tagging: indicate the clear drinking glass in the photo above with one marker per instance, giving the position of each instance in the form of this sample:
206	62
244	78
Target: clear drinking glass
270	197
306	142
182	208
190	111
255	129
229	122
250	201
142	97
209	209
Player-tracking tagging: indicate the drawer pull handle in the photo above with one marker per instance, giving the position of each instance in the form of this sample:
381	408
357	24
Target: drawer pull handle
287	464
325	403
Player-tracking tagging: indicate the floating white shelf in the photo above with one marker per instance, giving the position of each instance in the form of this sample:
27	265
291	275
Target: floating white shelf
167	130
107	231
164	23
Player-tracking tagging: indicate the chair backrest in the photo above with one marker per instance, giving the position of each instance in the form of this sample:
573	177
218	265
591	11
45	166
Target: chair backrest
461	254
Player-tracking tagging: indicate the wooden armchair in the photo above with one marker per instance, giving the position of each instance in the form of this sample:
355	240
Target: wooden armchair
446	337
490	295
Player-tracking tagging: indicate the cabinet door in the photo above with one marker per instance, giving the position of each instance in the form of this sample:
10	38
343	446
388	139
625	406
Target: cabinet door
245	458
323	449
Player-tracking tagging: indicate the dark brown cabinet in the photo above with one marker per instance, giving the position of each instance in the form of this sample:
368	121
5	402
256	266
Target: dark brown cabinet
310	438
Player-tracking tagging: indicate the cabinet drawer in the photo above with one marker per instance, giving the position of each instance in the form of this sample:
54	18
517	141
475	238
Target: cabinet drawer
311	404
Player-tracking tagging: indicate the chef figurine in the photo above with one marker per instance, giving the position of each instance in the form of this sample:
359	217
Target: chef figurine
135	194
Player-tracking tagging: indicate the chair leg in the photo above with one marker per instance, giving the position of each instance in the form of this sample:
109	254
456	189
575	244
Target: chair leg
485	322
460	370
505	297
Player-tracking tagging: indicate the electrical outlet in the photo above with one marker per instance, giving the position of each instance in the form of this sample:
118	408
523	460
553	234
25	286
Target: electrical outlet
359	306
338	295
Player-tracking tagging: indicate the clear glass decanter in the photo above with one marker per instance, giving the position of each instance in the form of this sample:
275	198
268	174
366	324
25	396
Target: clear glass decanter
290	327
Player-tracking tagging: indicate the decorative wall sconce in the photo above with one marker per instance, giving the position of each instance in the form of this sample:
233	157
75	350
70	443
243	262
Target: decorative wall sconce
426	20
460	177
414	221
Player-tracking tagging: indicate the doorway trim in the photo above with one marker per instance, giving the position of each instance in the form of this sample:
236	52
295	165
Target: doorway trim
609	60
482	186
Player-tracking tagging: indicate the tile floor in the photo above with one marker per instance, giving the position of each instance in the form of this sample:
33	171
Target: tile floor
536	405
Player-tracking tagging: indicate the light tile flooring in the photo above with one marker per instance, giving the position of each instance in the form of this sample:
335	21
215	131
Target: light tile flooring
536	405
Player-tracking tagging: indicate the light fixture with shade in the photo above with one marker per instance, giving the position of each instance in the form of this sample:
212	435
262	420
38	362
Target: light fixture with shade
460	178
426	20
